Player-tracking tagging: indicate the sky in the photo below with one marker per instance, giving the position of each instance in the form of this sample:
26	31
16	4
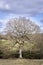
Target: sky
33	9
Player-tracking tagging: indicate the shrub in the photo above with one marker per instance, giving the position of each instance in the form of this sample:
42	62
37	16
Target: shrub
1	54
15	54
26	54
32	55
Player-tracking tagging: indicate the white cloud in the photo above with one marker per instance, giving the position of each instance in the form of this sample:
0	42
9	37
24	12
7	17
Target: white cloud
28	7
3	24
4	5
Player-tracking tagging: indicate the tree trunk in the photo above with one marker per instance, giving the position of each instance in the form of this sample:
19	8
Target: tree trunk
20	53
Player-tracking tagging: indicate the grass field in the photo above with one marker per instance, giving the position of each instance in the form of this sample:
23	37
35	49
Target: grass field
20	62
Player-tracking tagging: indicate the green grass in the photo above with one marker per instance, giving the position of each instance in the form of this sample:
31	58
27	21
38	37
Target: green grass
4	41
20	62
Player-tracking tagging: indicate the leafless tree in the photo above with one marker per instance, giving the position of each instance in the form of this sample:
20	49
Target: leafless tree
20	28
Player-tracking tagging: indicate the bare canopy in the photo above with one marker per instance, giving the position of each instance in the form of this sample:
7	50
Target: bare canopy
19	28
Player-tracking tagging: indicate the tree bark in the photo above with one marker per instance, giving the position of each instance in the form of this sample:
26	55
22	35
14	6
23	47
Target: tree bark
20	53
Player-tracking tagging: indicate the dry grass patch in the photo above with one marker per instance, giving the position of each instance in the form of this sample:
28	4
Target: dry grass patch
20	62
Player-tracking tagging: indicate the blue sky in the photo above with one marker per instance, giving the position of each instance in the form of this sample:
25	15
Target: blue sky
33	9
